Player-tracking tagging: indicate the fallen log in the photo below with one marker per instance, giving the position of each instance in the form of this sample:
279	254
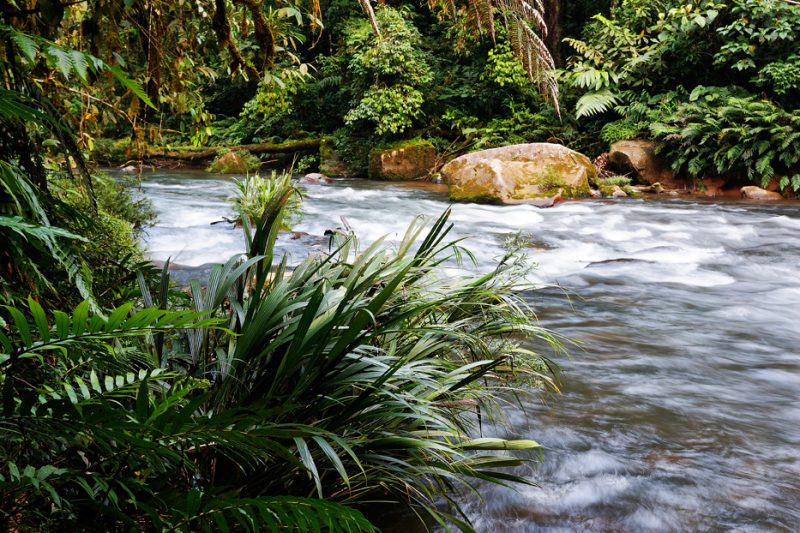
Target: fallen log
191	153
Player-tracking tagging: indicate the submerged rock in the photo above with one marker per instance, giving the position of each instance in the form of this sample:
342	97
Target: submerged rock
406	160
520	173
757	193
639	157
136	169
315	178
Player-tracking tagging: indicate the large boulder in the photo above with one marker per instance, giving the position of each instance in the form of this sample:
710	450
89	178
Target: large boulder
406	160
757	193
520	173
639	158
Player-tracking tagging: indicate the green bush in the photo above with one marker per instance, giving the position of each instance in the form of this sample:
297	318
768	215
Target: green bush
353	378
254	194
621	130
388	73
111	151
110	248
720	132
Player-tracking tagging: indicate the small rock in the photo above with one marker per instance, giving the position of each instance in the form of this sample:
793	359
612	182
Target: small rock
541	202
130	169
594	193
315	178
547	202
757	193
655	188
618	192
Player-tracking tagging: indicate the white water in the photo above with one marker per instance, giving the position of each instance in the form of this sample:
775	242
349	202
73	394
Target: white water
681	411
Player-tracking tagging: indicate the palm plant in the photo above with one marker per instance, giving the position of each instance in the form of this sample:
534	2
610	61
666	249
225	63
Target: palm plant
254	193
281	400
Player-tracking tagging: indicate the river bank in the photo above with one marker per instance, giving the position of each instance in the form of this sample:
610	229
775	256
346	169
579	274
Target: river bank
539	174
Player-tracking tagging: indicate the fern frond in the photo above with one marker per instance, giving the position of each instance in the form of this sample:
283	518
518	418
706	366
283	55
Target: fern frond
595	103
585	49
523	10
481	16
532	52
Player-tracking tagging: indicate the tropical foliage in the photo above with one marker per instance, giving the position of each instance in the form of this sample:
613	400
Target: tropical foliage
255	193
279	399
713	82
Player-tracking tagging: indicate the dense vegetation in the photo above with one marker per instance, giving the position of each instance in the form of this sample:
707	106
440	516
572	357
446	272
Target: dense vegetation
262	397
277	399
714	83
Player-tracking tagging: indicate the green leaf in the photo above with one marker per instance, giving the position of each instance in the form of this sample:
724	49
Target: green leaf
80	64
595	103
93	379
79	317
40	319
63	60
128	83
27	46
21	326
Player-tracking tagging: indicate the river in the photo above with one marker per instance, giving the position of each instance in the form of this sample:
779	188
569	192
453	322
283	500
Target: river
681	408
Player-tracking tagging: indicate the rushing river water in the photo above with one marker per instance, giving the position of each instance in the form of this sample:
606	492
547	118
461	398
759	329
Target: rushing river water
681	410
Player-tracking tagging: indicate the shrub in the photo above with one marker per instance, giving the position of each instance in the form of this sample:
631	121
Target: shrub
621	130
255	193
353	378
719	131
389	74
112	152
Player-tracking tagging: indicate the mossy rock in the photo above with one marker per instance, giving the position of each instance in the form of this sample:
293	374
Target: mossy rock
404	160
519	173
329	161
241	162
611	187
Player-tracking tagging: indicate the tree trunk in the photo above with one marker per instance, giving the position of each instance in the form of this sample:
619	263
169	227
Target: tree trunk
554	18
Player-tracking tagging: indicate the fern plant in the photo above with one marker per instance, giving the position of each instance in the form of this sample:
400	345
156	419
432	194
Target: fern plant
728	133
